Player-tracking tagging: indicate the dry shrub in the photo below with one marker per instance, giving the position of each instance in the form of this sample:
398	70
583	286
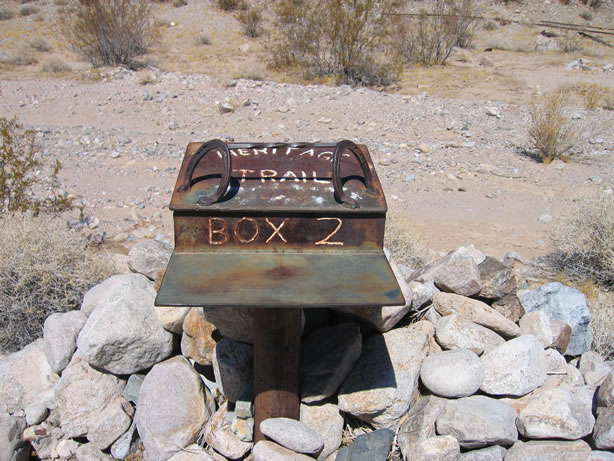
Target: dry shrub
109	32
431	37
6	14
593	95
550	131
355	42
602	323
20	57
55	65
203	40
402	240
44	268
251	18
28	10
229	5
584	242
40	44
179	3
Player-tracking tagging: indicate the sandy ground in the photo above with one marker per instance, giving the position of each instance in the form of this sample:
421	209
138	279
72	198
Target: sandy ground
447	141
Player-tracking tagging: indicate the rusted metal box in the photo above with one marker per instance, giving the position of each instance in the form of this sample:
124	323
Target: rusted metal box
278	225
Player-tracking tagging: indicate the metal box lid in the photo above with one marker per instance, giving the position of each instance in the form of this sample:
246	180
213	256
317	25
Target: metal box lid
278	225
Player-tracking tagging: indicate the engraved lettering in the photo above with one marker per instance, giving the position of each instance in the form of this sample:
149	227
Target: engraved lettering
326	155
221	231
326	240
232	152
238	231
268	174
244	152
244	173
309	152
289	175
315	179
290	149
276	230
304	176
263	151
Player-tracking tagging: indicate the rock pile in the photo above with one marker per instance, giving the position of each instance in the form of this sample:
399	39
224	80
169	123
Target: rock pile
490	372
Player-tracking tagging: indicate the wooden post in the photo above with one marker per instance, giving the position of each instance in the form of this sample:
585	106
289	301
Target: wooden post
277	344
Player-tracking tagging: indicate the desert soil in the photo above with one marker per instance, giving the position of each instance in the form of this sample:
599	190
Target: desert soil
448	142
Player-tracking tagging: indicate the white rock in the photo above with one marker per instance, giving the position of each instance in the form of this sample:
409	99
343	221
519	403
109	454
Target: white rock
123	334
192	452
454	332
604	430
149	257
605	396
36	413
172	408
11	443
514	368
548	450
292	435
270	451
419	424
67	448
494	453
60	334
88	452
593	368
171	317
537	323
453	374
221	438
438	448
325	419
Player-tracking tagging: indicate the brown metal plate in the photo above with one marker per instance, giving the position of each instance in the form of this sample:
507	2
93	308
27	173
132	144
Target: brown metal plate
279	279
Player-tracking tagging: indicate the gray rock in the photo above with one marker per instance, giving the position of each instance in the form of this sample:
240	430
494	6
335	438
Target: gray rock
232	322
45	445
548	450
36	413
383	318
60	334
475	311
453	374
67	448
373	446
133	388
516	367
171	317
556	414
123	334
604	429
567	304
327	357
99	415
172	408
199	337
599	455
126	444
537	323
26	378
478	421
325	419
221	438
192	452
605	396
561	334
419	424
422	293
266	450
509	307
384	380
456	272
293	435
233	368
12	446
149	257
497	279
494	453
454	332
593	368
438	448
88	452
555	362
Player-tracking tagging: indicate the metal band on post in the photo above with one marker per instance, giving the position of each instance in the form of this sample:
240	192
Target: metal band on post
342	146
221	147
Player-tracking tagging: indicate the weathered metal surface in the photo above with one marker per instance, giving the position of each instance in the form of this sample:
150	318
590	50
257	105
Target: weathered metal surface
271	225
276	365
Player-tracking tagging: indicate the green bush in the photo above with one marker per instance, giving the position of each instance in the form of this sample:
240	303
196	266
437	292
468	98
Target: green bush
109	32
22	188
44	268
352	40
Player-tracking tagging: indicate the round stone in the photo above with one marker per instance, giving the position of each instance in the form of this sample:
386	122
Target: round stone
455	373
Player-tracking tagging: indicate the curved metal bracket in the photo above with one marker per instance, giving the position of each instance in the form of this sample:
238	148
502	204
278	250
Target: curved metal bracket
340	149
222	147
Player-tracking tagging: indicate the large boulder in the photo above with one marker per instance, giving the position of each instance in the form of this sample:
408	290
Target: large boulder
475	311
12	446
60	334
563	303
497	279
455	332
149	257
89	403
456	272
548	450
172	408
327	357
26	378
537	323
123	334
384	381
233	368
453	374
556	414
293	435
325	419
516	367
478	421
